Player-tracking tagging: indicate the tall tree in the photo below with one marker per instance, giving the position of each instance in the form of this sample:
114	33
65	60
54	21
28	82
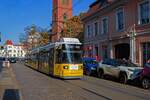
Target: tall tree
73	28
44	37
34	36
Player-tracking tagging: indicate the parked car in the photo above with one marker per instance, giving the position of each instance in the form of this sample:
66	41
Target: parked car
2	59
119	69
12	60
144	76
90	65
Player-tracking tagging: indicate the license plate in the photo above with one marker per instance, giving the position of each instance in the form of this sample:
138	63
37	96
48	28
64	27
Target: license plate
74	67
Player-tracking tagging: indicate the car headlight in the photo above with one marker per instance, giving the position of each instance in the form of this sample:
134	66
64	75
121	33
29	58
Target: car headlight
93	68
135	74
131	70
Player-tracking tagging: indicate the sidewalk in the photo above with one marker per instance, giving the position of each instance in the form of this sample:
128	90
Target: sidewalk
9	88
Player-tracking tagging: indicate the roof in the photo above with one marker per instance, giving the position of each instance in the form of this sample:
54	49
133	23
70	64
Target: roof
96	6
94	3
9	42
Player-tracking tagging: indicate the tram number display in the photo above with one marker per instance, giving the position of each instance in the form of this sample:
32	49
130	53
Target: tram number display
73	67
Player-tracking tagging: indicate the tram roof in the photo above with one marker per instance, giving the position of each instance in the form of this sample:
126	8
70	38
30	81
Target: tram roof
51	45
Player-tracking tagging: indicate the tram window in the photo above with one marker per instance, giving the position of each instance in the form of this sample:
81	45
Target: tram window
71	58
51	58
58	56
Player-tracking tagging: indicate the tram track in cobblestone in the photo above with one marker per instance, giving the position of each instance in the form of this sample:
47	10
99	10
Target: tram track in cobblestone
87	88
121	91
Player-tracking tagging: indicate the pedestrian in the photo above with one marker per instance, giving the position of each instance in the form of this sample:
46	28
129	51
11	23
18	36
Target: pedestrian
98	58
148	61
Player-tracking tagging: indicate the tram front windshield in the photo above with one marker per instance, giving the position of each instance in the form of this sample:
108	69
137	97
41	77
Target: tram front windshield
71	57
71	54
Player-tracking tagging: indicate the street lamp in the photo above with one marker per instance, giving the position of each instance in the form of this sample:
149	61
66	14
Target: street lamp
132	35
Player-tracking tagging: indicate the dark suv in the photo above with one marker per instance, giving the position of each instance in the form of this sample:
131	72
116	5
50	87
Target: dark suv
90	65
145	76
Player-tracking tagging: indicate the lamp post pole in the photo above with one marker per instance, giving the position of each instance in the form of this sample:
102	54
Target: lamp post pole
133	45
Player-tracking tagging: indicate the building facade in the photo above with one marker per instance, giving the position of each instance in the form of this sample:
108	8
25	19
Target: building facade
11	50
118	29
62	10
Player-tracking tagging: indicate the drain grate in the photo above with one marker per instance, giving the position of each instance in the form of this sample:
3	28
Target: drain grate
11	94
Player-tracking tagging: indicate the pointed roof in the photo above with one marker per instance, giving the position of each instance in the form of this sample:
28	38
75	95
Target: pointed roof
9	42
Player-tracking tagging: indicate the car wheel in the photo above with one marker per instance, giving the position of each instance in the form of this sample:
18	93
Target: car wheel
123	78
146	83
100	74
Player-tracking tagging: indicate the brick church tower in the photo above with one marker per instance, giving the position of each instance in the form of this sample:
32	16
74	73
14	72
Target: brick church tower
62	10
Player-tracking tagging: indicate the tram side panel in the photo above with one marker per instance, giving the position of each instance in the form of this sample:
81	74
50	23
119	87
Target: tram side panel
51	61
44	62
32	61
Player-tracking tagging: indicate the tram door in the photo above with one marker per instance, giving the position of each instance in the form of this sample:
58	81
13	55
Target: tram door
51	61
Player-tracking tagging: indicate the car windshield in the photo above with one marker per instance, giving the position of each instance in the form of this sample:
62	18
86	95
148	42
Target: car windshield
127	64
94	62
91	62
112	62
147	65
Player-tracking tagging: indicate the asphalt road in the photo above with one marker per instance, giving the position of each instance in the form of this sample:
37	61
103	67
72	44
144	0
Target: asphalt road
37	86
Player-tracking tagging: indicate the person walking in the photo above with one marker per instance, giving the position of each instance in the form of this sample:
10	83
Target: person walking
148	61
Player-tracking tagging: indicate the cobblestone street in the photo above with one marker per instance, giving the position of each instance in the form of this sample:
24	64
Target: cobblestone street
37	86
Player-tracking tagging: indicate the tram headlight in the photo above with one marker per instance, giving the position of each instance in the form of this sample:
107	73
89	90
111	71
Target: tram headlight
66	67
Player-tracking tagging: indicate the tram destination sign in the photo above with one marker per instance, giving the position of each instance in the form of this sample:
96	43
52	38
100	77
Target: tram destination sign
72	47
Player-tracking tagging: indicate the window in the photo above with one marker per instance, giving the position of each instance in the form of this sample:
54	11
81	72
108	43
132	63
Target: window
119	19
65	2
65	17
96	28
9	50
88	31
96	50
104	52
58	56
144	12
105	25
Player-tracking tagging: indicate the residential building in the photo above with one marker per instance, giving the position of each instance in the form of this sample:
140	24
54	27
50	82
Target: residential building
62	10
123	30
11	50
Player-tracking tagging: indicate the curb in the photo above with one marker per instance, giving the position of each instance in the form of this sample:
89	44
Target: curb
9	87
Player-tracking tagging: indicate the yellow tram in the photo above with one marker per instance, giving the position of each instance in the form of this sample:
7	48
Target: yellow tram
61	59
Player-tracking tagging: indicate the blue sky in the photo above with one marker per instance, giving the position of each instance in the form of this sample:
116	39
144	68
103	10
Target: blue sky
17	14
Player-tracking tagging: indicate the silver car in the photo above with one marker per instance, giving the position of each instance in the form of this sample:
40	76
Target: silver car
120	69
